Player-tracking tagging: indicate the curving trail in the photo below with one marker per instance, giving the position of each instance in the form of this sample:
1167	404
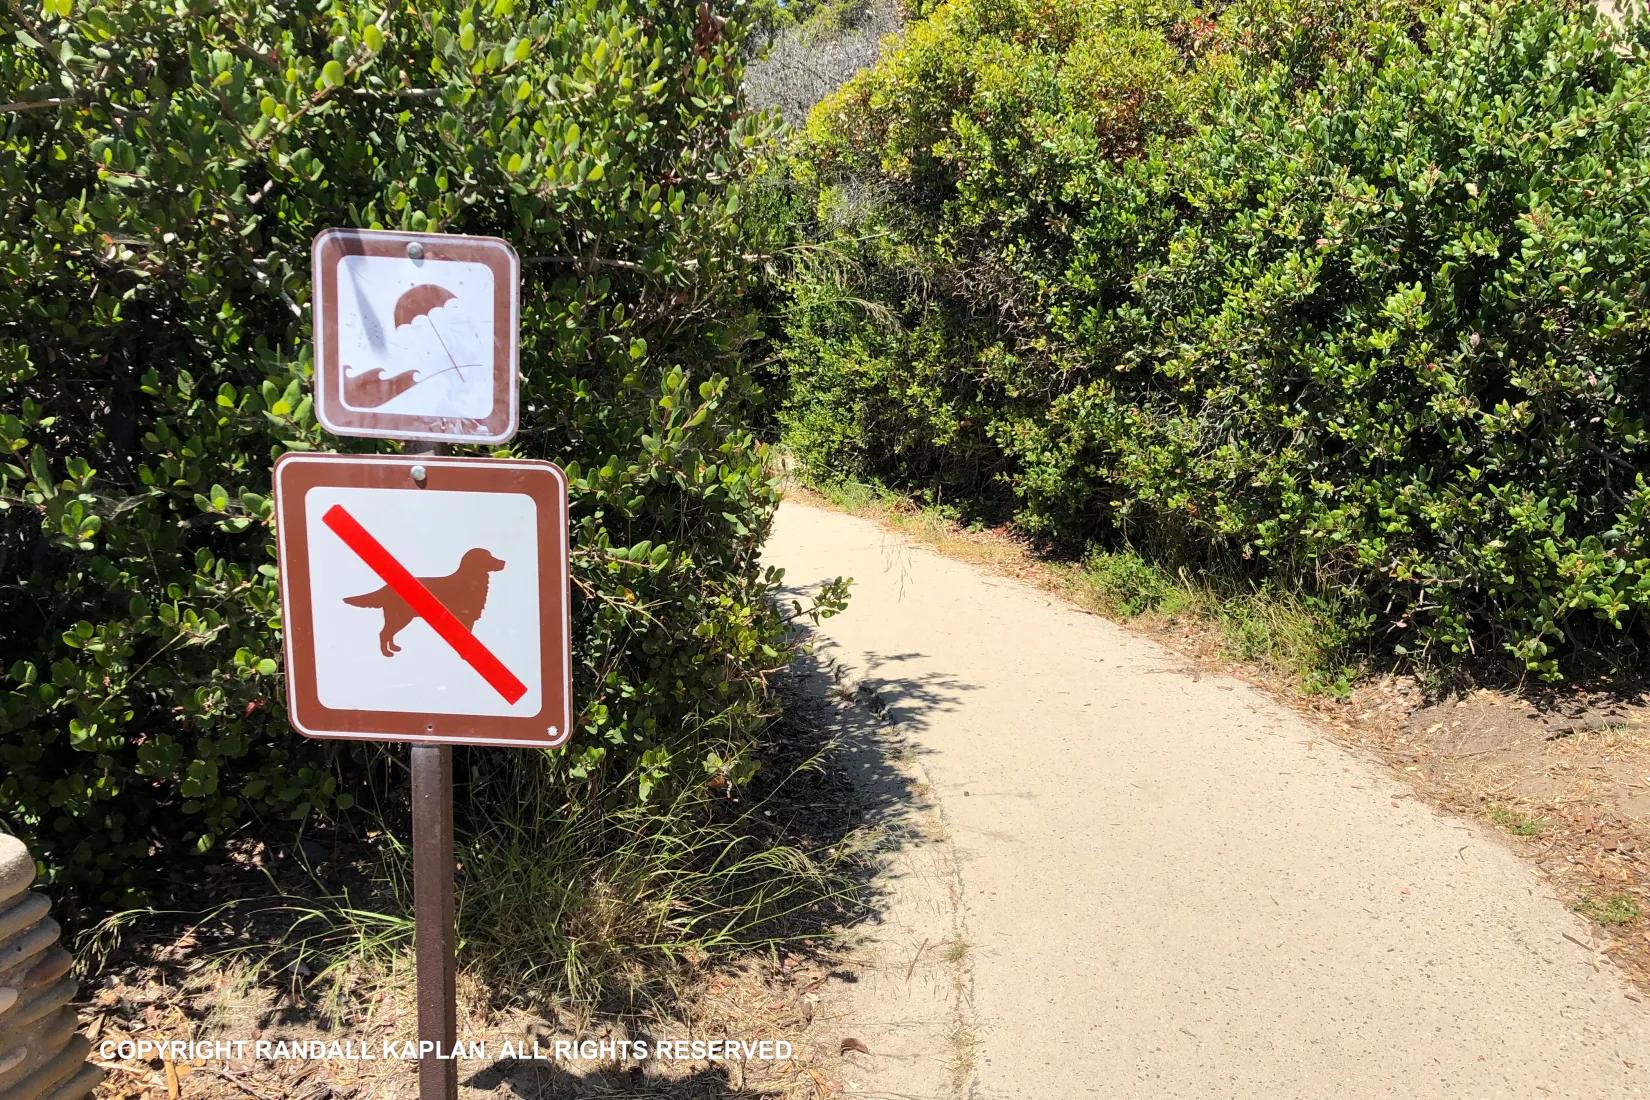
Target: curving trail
1171	886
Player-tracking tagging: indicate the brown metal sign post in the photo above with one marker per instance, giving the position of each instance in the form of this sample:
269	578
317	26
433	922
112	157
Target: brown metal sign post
424	598
434	920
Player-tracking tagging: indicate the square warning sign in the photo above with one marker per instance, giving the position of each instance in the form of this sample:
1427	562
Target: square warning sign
425	599
416	335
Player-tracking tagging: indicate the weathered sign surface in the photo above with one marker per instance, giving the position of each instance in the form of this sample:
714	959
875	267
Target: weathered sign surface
416	335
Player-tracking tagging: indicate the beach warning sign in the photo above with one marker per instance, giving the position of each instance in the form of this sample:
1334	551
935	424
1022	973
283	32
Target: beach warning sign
416	335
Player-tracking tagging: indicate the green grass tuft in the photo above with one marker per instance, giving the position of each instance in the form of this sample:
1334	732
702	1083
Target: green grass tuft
1516	823
1615	910
586	905
569	902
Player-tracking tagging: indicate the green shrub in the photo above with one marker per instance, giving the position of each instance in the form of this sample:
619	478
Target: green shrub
1133	584
1363	312
1401	328
163	168
945	184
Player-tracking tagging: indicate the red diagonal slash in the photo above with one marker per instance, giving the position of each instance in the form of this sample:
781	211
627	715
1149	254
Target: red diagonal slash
423	603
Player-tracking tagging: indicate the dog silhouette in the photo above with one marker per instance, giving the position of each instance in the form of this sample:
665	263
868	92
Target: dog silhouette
463	592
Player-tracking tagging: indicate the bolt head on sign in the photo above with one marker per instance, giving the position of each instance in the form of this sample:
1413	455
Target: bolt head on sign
428	608
416	335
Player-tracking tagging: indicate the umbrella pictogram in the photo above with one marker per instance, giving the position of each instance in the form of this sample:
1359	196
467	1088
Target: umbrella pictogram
372	388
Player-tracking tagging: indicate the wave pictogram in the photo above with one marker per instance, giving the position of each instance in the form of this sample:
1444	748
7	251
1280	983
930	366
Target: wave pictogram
372	388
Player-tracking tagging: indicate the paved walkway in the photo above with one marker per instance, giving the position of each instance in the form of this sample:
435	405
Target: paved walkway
1171	886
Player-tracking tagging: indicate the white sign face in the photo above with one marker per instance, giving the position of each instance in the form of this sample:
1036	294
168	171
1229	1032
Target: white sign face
429	608
415	669
421	333
416	335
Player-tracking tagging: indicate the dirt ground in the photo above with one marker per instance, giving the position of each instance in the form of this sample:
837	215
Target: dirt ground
749	1000
181	976
1562	777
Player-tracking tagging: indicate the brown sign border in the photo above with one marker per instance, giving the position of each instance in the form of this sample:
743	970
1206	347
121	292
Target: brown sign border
296	474
328	251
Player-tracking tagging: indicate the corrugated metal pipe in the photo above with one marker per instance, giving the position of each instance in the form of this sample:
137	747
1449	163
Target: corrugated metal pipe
41	1056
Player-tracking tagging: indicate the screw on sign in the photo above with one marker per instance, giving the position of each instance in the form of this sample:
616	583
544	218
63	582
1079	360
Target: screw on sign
423	600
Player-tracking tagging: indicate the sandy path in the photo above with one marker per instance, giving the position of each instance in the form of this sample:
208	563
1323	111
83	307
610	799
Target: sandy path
1172	886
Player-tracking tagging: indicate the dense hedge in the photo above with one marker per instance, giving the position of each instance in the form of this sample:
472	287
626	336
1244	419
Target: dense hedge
1354	297
163	168
944	182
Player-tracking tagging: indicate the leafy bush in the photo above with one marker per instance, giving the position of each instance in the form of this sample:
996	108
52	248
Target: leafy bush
945	184
163	169
1374	325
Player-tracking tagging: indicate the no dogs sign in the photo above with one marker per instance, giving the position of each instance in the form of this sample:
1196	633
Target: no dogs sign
425	599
